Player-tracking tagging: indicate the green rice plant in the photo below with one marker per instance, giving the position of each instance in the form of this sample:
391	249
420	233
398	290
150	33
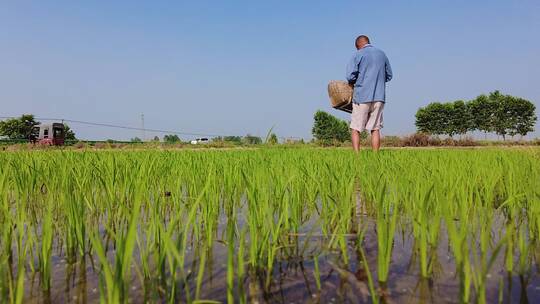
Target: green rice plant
15	284
317	272
176	257
260	222
371	285
262	204
144	272
342	219
459	238
240	273
524	249
479	276
46	248
510	243
230	265
426	223
200	274
114	277
484	260
176	253
386	226
273	248
6	239
501	291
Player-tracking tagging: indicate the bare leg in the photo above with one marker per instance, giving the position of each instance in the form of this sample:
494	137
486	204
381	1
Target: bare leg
375	140
355	139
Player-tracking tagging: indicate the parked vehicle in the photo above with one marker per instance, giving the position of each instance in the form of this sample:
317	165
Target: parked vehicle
52	134
198	141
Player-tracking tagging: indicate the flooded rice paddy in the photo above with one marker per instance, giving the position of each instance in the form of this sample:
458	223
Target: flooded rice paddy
270	226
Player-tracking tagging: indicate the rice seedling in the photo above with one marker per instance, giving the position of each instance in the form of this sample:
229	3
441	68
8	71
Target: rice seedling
240	273
317	272
115	278
371	285
157	221
483	262
426	223
386	225
46	248
459	239
524	249
230	263
15	283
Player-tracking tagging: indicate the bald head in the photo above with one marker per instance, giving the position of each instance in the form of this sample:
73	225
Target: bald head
361	41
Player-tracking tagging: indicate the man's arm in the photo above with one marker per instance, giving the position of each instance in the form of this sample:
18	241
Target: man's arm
388	70
352	70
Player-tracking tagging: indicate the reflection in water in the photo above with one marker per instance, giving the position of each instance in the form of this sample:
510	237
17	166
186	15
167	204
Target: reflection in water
524	283
293	276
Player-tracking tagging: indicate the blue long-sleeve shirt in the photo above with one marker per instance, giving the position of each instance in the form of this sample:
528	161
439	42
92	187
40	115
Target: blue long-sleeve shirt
369	70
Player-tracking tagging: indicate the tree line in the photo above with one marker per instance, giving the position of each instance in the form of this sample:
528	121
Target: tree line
248	139
493	113
23	128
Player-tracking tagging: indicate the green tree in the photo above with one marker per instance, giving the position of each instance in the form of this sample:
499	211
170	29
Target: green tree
482	110
423	120
156	139
171	138
68	133
459	118
273	139
525	116
136	140
233	139
252	140
18	128
327	128
501	114
513	115
433	118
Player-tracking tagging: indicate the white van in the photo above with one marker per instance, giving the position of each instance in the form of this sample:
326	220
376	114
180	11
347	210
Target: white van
198	141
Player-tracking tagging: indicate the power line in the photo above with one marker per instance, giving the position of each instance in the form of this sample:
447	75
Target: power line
141	129
120	127
130	128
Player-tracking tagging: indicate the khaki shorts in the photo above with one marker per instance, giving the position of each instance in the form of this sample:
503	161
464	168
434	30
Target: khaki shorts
367	116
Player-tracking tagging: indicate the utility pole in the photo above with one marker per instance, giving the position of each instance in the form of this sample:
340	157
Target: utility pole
142	127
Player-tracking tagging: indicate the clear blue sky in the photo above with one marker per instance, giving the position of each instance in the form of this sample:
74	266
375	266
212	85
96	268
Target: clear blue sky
237	67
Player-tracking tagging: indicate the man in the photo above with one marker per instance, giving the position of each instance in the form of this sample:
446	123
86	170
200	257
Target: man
368	71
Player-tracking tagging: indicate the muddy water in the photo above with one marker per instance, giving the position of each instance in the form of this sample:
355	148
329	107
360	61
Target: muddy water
293	277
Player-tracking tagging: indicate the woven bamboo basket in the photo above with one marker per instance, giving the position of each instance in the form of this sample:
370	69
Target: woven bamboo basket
340	93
